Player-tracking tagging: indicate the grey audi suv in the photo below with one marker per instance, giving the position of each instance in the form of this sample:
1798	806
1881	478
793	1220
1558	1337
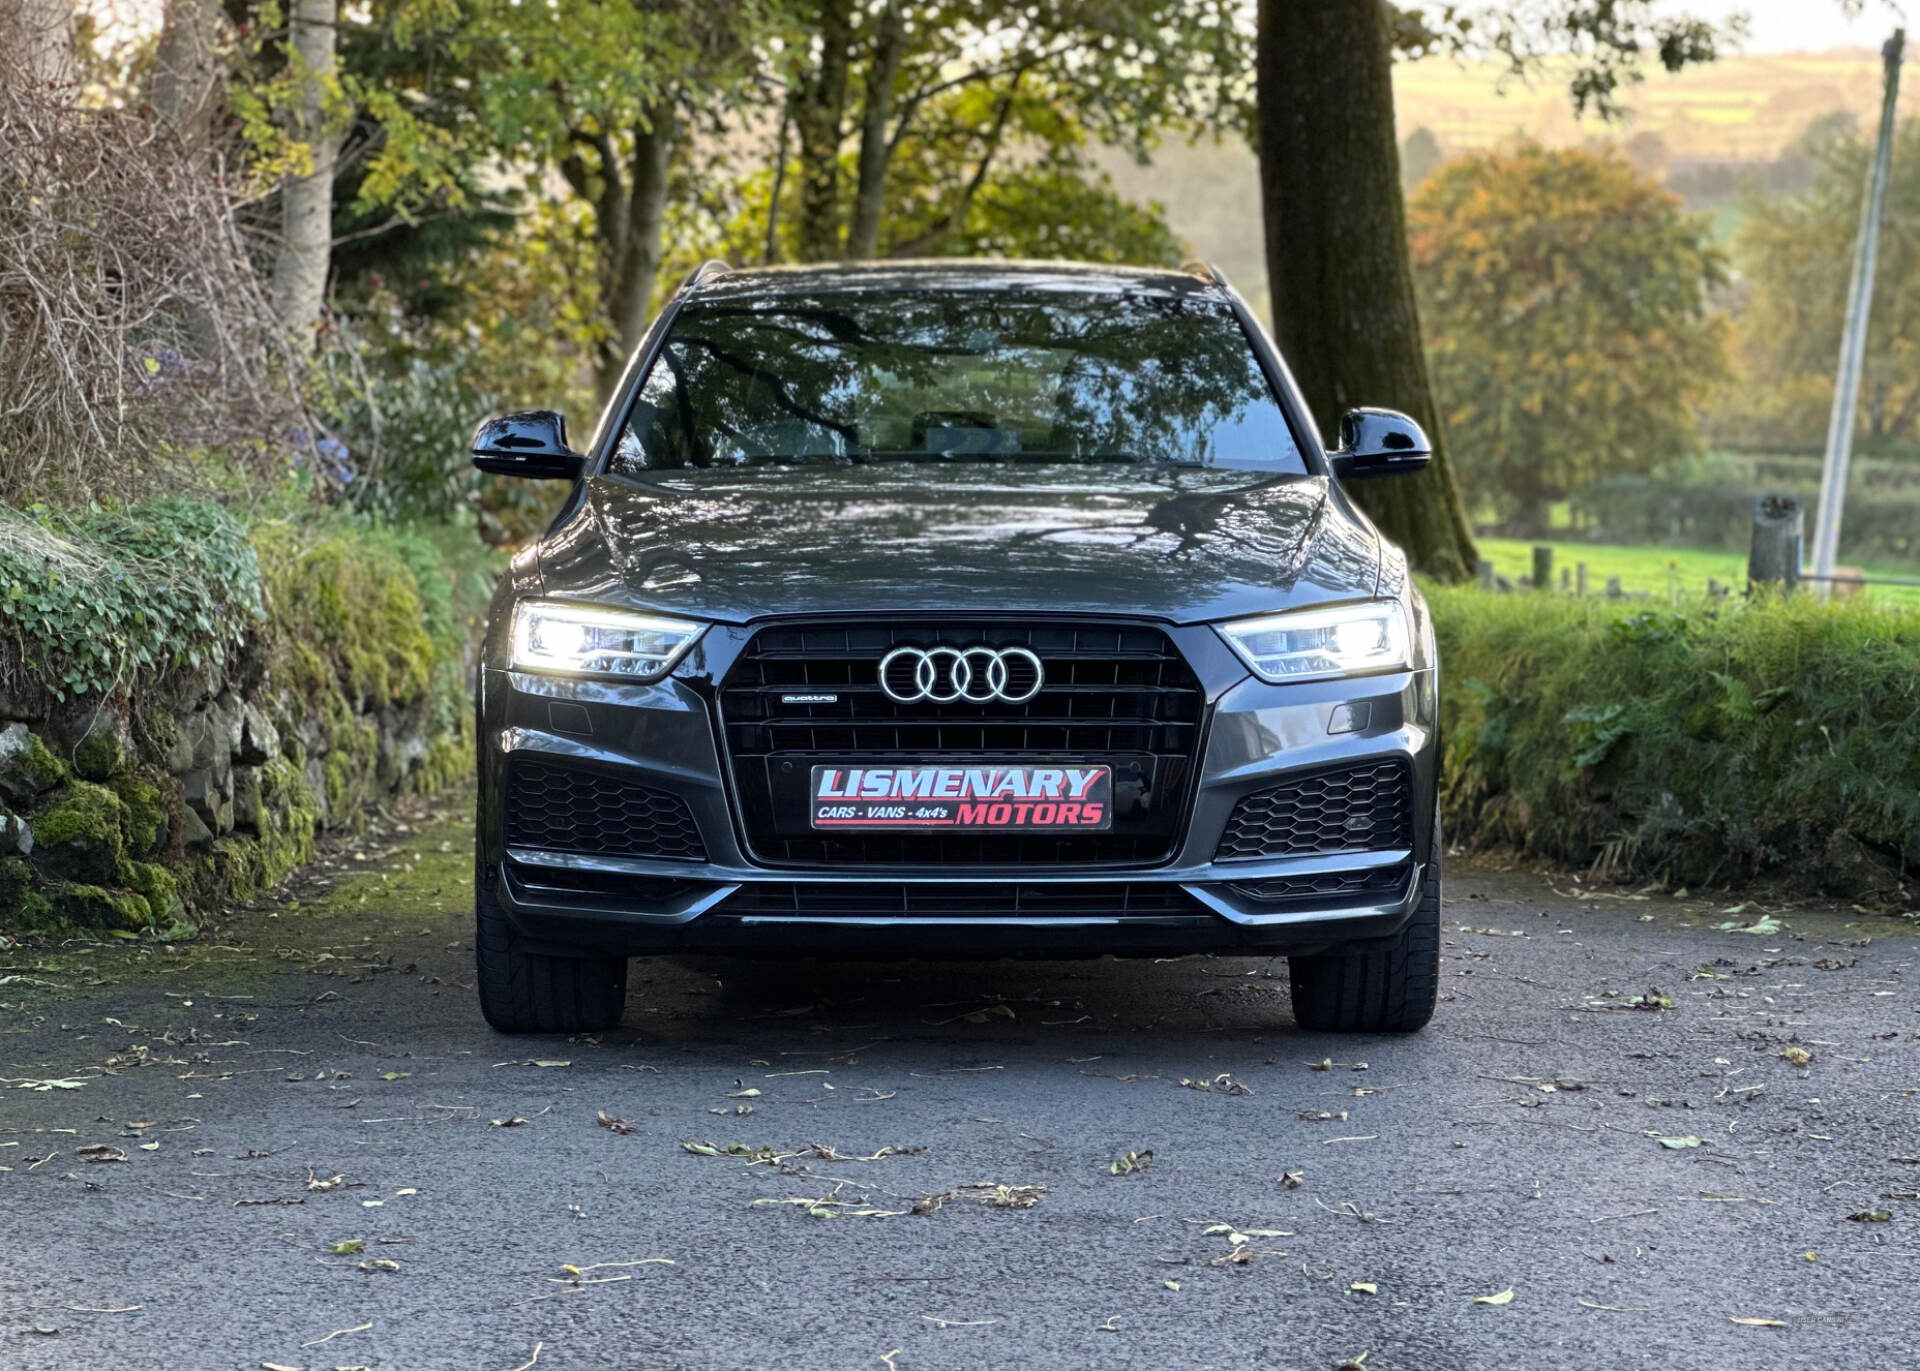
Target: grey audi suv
961	609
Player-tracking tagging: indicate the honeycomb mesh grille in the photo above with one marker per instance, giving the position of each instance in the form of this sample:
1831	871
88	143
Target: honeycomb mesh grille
1354	809
568	809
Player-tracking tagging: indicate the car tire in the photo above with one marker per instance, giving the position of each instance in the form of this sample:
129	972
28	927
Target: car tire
1388	990
526	992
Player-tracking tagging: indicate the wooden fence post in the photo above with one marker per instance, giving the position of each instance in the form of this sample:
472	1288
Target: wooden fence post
1543	568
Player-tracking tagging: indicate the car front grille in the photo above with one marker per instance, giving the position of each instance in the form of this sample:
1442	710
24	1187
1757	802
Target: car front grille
1365	808
570	809
1115	693
961	900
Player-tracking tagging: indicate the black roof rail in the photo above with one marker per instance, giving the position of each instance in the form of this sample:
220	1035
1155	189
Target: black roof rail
706	271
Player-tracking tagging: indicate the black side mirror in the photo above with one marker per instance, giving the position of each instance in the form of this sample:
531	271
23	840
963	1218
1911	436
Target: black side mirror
530	443
1379	442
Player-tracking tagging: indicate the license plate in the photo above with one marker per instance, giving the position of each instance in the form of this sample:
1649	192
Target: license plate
1060	798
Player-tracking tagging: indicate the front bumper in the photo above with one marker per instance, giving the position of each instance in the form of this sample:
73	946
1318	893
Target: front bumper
664	736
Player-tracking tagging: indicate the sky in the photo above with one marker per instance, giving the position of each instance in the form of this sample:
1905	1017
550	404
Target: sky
1805	25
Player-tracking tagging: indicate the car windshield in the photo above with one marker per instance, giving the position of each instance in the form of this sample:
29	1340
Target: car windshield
1037	376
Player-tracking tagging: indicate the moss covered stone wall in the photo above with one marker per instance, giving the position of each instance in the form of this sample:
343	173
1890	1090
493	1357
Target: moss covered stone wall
189	747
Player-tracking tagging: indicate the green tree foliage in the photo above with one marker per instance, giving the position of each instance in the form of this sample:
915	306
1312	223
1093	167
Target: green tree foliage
907	115
1795	256
1565	299
1602	47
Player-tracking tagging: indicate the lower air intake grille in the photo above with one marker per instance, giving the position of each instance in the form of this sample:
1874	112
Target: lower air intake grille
568	809
1327	886
959	900
1353	809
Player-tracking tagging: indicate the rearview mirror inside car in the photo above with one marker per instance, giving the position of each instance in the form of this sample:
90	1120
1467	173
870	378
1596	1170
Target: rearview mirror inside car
530	443
1379	442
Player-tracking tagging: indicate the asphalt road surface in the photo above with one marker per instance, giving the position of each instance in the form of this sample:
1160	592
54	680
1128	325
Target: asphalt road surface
293	1143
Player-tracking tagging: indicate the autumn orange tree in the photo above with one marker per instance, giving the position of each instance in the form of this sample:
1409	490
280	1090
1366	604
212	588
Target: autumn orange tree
1565	300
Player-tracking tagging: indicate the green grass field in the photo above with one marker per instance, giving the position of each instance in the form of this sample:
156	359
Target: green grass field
1660	571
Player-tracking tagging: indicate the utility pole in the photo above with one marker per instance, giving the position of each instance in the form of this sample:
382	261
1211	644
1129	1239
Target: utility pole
1853	333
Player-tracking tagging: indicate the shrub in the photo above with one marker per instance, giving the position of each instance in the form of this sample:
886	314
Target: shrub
132	327
91	601
1705	745
1708	502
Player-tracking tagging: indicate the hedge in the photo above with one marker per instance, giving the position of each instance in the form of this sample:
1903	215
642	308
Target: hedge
1706	744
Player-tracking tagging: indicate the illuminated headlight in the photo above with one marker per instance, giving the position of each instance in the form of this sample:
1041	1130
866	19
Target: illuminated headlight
585	640
1310	644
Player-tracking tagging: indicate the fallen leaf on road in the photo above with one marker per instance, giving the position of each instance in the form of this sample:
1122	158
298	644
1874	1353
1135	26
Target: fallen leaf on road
511	1121
1364	1288
609	1122
380	1264
1292	1180
1871	1215
1504	1297
1131	1163
1677	1143
1223	1084
1798	1056
1008	1196
348	1248
1757	1323
1766	925
732	1149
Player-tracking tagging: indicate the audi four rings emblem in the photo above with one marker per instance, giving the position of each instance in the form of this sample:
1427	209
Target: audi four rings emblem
978	675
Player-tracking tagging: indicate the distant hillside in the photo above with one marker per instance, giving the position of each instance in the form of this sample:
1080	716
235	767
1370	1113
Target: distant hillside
1743	109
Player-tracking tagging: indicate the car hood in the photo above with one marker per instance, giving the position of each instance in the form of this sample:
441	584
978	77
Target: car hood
1179	544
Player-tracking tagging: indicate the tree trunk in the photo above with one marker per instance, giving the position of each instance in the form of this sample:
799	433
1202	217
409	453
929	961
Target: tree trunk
36	42
636	247
187	72
1336	240
817	117
306	202
869	201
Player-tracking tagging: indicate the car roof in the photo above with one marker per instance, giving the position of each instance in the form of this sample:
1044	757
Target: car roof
717	281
